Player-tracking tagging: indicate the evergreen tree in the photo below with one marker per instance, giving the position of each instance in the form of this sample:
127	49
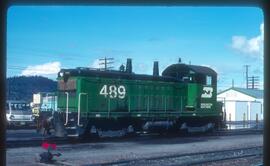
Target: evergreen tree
23	87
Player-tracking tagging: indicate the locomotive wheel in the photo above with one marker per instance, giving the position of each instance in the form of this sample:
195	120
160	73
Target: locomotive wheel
131	132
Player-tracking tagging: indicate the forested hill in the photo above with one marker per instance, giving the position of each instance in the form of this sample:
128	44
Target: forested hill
23	88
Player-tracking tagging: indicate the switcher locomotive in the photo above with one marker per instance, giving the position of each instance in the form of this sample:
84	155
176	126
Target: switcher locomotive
183	98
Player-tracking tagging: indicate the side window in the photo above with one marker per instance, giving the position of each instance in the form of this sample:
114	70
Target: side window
208	80
187	79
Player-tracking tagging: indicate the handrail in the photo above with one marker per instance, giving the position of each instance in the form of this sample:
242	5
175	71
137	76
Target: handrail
129	104
148	103
9	107
165	103
66	109
109	107
79	107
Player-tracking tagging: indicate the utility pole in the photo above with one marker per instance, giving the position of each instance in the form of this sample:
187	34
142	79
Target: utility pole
247	66
253	82
105	62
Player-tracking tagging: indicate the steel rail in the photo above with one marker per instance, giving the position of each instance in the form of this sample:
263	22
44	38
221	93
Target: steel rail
37	141
227	158
193	157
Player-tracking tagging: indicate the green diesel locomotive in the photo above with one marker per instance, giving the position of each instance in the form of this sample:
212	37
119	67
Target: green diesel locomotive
91	101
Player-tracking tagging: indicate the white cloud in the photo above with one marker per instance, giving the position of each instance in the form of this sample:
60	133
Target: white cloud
43	69
262	29
261	84
252	47
95	64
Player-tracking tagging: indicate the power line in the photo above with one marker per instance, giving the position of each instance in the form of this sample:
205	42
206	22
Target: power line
20	68
253	82
106	61
51	53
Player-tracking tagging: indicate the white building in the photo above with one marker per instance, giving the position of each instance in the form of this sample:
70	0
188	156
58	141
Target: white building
45	101
242	104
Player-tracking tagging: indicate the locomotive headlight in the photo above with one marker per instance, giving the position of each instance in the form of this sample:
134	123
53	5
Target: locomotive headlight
61	74
11	117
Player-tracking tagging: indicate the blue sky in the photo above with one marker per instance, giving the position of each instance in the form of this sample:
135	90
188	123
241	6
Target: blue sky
41	40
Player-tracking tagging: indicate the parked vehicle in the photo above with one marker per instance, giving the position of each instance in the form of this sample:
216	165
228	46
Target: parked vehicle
18	113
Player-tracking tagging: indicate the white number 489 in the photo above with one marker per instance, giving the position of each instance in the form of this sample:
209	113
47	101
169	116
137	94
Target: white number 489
113	91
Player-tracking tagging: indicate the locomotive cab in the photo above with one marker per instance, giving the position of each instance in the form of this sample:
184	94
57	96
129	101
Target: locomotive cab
192	74
200	89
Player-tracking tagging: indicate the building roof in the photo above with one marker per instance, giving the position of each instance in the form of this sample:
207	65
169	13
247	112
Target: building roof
256	93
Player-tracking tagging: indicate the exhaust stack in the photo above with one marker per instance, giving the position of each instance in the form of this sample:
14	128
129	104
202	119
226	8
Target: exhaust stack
155	69
129	66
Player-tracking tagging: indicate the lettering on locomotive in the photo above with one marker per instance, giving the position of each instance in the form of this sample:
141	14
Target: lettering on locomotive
113	91
207	92
206	105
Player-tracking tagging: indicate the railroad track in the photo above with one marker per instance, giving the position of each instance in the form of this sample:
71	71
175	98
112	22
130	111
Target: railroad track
236	132
193	158
32	142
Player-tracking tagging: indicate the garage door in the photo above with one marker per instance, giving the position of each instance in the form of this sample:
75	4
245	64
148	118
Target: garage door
241	111
255	108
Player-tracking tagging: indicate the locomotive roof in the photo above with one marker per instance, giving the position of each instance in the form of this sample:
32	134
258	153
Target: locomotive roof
182	68
88	72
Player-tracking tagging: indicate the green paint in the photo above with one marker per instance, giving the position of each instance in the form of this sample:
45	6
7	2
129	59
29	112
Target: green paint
148	98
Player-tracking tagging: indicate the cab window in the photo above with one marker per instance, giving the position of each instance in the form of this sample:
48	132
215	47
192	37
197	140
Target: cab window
187	79
208	80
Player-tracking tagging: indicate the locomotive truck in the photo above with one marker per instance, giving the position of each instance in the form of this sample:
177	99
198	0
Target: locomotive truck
91	101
